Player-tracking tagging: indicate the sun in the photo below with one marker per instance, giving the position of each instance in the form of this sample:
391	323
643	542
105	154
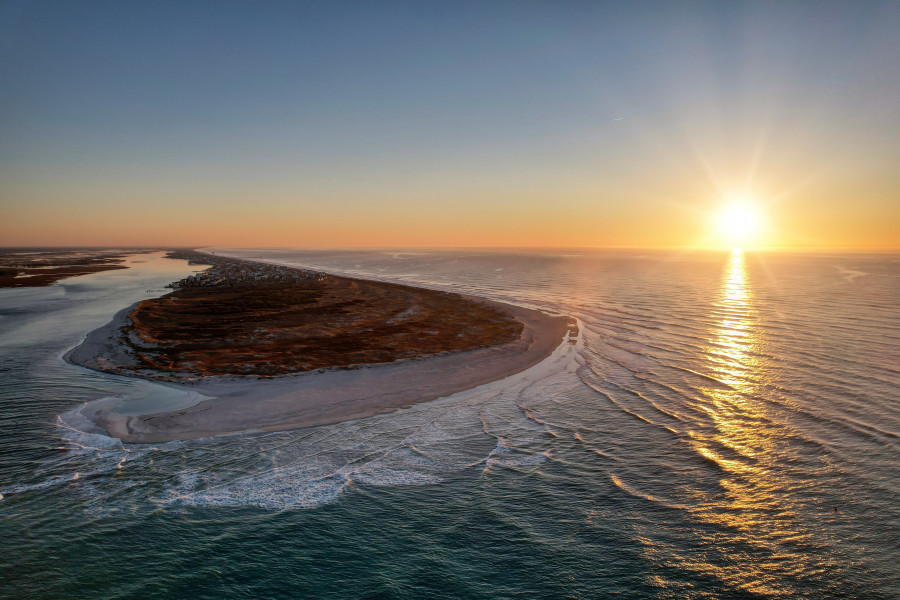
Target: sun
738	223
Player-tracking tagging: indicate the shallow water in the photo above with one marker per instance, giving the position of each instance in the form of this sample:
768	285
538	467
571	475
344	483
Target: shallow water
727	425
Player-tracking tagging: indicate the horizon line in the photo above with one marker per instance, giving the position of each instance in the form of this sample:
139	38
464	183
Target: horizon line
714	248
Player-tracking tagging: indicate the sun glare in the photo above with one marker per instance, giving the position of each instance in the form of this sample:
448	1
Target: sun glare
738	224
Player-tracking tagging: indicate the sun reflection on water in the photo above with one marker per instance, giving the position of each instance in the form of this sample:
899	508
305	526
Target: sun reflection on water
745	442
735	339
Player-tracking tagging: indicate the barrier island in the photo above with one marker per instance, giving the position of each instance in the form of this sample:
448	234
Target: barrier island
270	347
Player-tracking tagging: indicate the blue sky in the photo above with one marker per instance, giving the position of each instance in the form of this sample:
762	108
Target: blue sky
442	114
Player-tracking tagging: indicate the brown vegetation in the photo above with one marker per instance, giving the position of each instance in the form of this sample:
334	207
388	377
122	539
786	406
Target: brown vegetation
36	267
280	328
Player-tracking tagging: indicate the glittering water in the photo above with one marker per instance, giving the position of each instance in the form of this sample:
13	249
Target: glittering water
728	425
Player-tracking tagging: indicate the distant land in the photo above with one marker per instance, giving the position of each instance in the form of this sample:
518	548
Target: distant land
37	267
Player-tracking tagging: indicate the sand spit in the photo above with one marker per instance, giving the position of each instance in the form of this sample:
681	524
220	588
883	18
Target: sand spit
238	405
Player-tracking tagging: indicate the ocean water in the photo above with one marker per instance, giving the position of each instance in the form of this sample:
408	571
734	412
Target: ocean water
726	426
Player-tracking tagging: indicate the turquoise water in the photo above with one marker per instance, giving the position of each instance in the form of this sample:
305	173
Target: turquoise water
727	426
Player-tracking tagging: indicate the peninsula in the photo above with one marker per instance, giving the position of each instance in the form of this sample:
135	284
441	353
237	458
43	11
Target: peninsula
268	347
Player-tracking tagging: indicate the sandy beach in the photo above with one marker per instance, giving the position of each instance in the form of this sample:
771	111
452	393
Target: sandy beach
240	405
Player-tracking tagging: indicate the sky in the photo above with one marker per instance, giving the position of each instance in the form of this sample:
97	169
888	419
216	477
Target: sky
435	124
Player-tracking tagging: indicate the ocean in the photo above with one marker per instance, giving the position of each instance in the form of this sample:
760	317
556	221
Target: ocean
726	426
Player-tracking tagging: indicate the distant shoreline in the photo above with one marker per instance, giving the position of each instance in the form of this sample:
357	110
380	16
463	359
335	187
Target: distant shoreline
41	267
238	405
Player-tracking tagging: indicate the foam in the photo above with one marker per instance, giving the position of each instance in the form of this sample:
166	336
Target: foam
484	428
849	274
645	496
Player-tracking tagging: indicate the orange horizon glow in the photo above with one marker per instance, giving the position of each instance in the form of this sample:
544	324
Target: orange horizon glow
499	225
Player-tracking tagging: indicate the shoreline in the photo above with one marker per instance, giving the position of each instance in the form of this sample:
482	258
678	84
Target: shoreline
240	406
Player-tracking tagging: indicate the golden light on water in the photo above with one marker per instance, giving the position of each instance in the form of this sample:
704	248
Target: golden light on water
745	443
735	336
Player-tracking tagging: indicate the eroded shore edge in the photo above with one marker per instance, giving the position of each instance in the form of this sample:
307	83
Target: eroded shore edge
241	406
